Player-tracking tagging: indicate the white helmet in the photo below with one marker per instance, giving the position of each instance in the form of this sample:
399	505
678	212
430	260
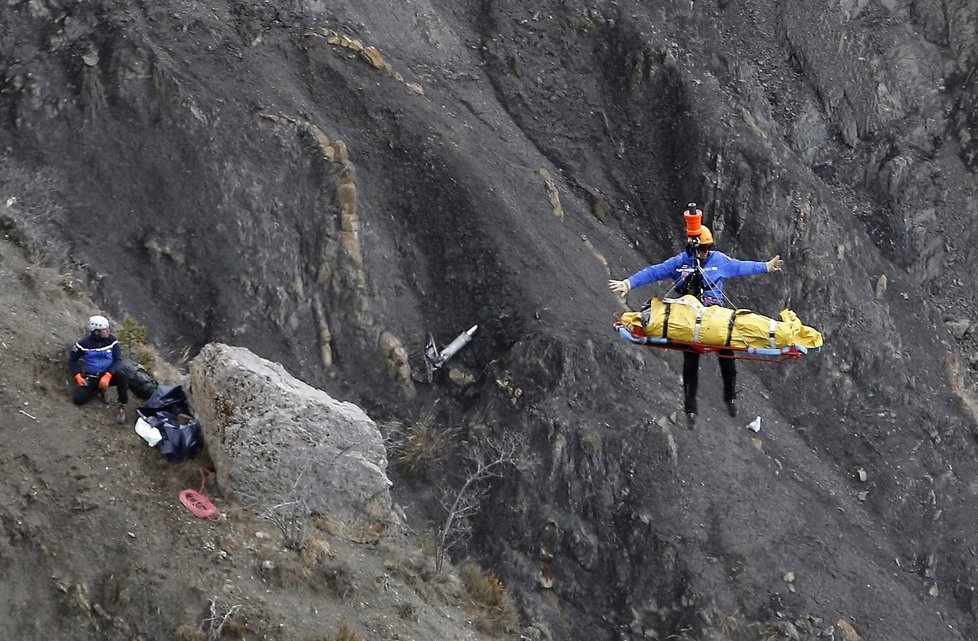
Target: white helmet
97	322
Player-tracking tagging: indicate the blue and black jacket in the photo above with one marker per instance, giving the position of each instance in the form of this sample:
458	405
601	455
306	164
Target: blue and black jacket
96	355
716	267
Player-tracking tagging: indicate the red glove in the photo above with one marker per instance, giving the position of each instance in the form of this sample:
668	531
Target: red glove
104	381
80	380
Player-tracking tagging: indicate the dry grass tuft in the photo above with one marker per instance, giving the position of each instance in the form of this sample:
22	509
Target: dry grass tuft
315	552
225	622
489	603
92	91
281	567
416	448
190	633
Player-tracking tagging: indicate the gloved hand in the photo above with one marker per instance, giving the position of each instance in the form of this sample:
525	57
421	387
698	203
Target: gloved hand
620	287
104	381
80	380
775	264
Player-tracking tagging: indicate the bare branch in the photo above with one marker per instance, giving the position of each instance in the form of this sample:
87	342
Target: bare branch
215	624
489	459
291	515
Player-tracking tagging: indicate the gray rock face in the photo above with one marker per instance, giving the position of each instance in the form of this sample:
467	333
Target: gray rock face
275	439
551	148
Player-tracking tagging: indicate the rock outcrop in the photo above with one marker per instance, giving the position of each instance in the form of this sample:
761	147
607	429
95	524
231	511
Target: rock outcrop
275	439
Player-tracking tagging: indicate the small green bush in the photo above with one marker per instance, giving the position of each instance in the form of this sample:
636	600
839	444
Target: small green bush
132	337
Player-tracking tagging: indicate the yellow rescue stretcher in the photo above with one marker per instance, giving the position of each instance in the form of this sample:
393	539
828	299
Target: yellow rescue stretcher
686	324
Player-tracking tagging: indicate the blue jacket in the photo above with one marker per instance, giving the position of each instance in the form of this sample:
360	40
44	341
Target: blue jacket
100	355
716	267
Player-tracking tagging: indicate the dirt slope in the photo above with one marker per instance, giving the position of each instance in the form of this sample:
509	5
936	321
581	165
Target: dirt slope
95	544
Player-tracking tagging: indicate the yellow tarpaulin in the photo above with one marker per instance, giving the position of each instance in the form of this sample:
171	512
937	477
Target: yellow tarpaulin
687	319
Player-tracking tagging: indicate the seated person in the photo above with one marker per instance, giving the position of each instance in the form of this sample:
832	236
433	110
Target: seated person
95	362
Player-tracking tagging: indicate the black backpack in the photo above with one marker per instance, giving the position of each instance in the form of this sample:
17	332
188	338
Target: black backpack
141	383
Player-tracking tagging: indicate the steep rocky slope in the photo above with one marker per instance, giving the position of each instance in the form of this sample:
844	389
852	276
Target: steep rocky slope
95	544
326	184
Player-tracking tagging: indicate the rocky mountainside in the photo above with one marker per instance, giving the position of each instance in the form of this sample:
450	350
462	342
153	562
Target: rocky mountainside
328	183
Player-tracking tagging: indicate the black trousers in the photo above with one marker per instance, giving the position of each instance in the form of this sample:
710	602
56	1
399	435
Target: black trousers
88	392
691	375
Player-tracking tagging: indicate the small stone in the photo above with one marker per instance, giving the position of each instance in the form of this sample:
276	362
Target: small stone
461	379
881	286
789	577
544	580
959	328
848	630
933	591
862	475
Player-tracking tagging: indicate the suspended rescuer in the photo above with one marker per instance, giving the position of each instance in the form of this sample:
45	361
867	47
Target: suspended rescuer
700	271
95	362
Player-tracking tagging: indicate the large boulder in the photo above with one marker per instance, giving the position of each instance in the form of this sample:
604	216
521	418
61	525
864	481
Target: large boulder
275	439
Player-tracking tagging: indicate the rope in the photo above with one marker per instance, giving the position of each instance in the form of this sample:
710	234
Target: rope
197	502
711	283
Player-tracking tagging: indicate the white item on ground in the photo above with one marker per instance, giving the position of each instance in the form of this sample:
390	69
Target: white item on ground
149	433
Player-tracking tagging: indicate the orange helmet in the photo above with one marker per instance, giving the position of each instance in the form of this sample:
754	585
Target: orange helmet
706	237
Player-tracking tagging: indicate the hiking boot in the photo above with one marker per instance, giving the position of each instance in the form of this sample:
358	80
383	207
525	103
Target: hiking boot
732	407
690	420
120	418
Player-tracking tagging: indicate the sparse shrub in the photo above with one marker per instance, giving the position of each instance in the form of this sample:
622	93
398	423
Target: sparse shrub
223	623
339	580
488	457
416	448
282	568
315	552
488	600
482	587
132	337
406	611
293	514
427	542
324	523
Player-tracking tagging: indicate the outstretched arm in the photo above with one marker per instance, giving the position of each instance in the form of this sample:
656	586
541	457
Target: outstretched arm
620	287
660	271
